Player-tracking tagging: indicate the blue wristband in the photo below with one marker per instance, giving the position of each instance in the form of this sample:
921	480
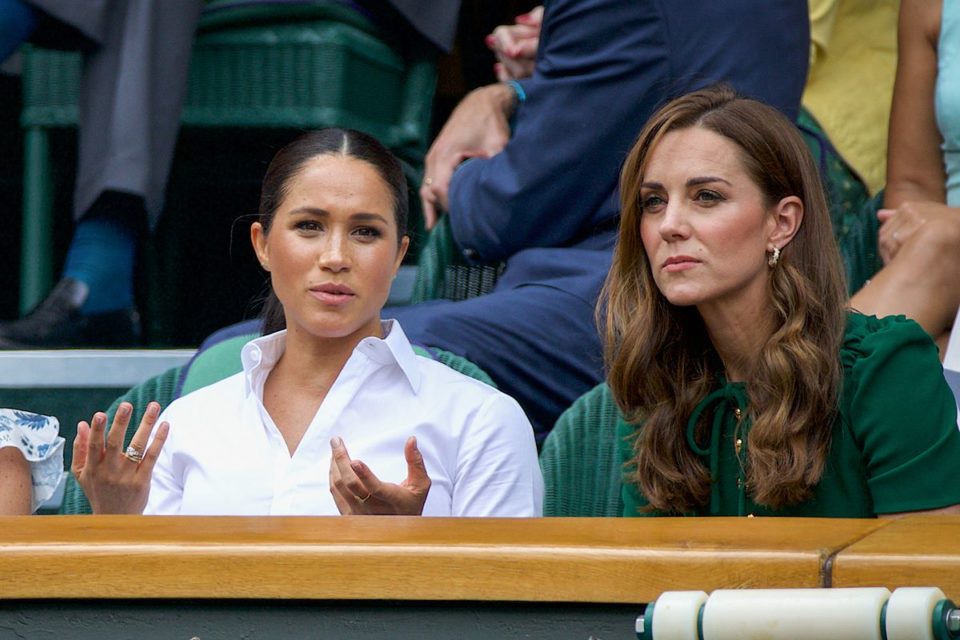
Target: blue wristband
517	90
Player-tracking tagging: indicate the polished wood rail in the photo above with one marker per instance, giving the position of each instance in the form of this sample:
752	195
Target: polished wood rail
918	551
585	560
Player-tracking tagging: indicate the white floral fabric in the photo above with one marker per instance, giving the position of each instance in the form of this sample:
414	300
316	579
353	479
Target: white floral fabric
38	438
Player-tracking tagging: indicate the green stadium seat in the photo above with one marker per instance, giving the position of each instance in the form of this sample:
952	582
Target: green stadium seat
581	468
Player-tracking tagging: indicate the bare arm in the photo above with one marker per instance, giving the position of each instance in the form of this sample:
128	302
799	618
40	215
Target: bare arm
915	169
15	487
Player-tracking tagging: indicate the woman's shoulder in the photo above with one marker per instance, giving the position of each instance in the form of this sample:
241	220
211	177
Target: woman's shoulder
38	439
869	337
210	397
34	434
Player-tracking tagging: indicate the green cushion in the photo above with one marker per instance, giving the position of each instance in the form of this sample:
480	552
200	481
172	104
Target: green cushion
581	469
220	361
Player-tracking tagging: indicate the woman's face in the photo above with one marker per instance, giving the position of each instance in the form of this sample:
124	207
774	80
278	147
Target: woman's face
705	226
332	250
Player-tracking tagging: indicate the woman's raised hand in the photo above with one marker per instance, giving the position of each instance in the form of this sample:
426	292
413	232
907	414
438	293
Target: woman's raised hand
117	480
358	492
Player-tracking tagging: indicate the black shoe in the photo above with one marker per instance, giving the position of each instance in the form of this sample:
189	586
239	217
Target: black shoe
57	323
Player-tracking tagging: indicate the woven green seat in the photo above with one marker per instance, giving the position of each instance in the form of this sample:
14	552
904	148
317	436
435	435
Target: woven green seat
301	66
216	363
444	274
581	468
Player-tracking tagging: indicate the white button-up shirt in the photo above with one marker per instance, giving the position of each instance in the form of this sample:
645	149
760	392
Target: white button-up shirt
224	454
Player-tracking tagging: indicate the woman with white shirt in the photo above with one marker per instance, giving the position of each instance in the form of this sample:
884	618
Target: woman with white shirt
333	411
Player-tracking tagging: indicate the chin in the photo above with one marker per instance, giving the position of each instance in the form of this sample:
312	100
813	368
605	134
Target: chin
682	298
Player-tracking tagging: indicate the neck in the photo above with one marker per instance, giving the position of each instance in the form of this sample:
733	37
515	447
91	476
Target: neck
738	335
309	362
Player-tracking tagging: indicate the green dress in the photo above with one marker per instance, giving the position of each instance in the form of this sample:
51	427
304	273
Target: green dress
895	445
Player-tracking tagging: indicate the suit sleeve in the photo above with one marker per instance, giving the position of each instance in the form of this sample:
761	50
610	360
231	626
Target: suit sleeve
586	102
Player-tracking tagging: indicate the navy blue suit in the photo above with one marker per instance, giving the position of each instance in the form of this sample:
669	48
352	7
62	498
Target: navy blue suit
547	204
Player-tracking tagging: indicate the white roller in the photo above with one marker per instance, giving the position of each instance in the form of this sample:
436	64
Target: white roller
792	614
910	613
675	615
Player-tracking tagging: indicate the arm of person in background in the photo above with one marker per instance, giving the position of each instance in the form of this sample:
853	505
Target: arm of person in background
515	46
15	486
479	126
916	191
117	480
595	66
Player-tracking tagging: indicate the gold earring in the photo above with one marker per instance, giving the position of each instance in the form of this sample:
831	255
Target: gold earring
774	258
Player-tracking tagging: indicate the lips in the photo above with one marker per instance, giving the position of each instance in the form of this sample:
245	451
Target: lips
679	263
332	293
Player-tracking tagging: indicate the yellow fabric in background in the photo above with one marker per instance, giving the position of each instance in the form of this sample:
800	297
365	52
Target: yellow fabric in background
853	59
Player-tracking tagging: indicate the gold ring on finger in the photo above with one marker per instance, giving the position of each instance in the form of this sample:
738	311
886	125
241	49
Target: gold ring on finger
428	181
133	454
362	500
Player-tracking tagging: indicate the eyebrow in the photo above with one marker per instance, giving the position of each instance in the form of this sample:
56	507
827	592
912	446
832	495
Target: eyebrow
692	182
323	213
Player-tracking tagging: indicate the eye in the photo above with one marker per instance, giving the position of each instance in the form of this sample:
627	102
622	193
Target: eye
307	225
708	196
367	233
651	202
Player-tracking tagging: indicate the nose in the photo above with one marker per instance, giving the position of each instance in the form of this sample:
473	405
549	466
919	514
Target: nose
334	253
674	224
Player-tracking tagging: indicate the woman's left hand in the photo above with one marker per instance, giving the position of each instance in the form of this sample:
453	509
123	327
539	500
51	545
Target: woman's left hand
357	491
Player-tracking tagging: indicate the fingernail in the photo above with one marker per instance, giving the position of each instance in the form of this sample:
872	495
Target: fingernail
336	442
124	409
357	467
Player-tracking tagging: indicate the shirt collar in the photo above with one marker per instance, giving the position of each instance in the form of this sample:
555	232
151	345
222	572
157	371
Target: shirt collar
261	354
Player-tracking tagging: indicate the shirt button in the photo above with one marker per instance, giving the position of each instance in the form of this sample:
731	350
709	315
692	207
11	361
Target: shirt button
737	414
739	483
470	253
738	445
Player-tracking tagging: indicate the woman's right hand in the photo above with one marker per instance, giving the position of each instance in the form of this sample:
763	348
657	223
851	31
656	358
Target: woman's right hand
111	477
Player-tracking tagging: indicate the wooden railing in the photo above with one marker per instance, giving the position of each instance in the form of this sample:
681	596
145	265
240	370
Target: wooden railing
582	560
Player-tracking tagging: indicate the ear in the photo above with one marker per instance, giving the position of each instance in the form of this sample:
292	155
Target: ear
786	218
401	252
259	241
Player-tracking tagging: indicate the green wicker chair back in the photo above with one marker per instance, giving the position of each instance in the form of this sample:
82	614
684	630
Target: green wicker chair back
581	468
444	274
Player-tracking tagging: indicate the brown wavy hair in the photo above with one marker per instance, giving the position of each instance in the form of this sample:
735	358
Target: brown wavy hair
660	361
